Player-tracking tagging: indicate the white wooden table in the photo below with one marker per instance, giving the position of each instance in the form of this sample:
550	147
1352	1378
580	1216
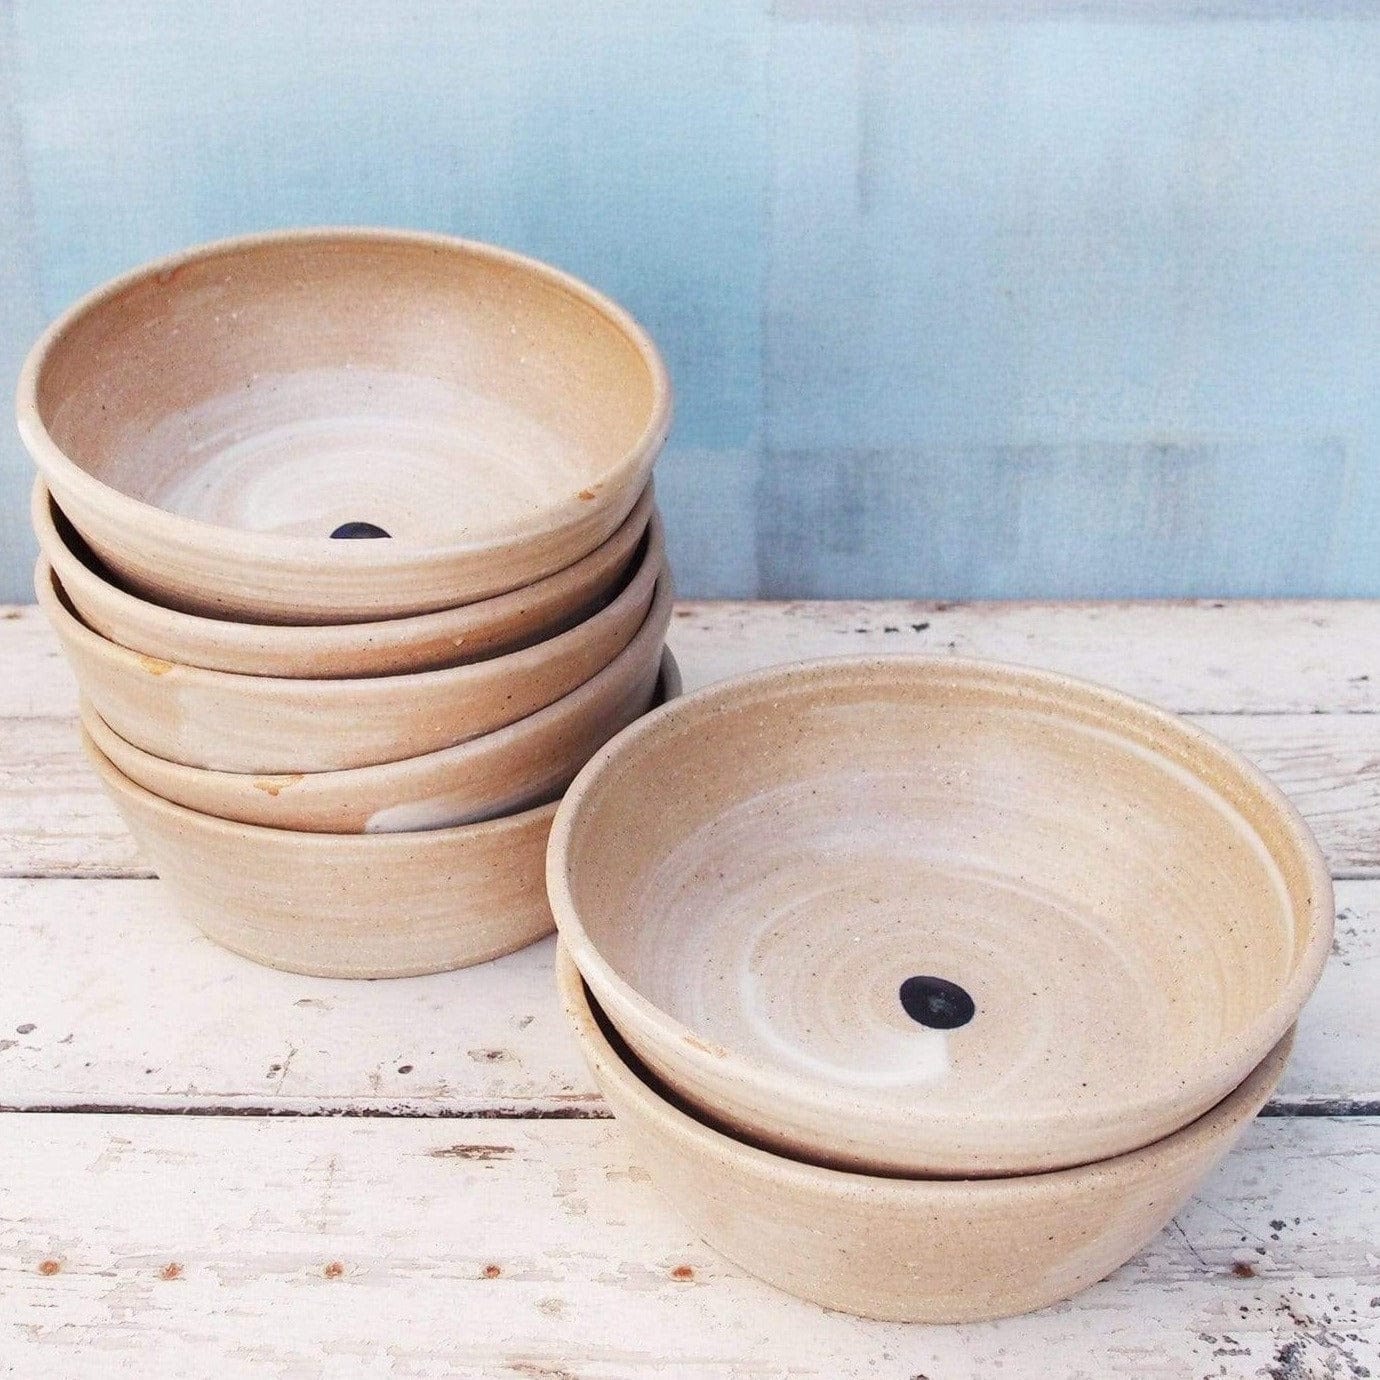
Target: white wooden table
211	1168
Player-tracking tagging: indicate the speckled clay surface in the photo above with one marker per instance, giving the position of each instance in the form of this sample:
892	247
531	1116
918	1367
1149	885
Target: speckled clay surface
268	725
346	905
528	763
448	637
208	423
911	1250
928	916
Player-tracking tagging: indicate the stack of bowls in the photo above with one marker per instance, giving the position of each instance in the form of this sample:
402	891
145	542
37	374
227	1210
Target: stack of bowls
932	988
350	540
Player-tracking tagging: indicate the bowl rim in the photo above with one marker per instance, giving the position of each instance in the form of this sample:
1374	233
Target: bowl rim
283	638
583	1013
347	779
1241	1051
185	819
650	568
61	470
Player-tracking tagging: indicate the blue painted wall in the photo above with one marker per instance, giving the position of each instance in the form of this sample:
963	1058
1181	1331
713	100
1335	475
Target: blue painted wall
1056	300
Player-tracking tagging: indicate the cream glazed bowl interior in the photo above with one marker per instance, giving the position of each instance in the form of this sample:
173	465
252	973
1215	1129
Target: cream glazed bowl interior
906	1250
528	763
216	424
395	646
271	725
925	916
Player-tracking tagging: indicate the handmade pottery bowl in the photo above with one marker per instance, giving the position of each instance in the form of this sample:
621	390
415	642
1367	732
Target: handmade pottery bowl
906	1250
345	905
210	422
936	917
526	764
269	725
428	641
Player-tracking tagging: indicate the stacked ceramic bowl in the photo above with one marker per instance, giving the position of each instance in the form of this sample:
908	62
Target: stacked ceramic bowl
931	988
350	540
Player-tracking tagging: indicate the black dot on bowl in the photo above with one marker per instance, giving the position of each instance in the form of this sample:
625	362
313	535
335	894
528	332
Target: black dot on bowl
352	531
936	1002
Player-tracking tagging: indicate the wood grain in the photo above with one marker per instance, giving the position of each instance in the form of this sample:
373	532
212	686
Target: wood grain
111	999
158	1245
417	1178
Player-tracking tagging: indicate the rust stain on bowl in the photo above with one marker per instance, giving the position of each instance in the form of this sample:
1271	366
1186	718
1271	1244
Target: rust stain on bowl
274	785
156	666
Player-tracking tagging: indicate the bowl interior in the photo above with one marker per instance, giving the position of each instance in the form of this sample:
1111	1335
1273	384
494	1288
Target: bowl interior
938	884
352	385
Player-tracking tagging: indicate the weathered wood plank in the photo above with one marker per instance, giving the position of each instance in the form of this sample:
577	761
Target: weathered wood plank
156	1245
1278	657
55	821
111	1000
1238	657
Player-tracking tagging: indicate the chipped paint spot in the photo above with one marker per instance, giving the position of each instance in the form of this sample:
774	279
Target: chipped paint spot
49	1267
487	1056
334	1270
471	1152
684	1273
586	495
172	1270
491	1271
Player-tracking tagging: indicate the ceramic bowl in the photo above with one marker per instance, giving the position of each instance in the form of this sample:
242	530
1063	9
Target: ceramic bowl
345	905
932	917
906	1250
526	764
428	641
267	725
212	422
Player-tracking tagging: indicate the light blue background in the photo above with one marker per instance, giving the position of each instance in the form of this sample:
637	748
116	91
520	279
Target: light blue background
1054	300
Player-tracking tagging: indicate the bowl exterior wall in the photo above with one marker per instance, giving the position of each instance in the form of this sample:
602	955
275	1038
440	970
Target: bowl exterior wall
910	1250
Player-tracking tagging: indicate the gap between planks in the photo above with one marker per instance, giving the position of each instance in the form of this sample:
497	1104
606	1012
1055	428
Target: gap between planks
1331	1108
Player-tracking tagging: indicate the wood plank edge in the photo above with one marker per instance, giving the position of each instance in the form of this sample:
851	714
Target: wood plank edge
578	1107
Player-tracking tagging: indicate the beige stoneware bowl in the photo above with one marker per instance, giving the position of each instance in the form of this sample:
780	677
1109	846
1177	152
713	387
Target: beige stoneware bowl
907	1250
396	646
528	763
931	917
216	423
345	905
271	725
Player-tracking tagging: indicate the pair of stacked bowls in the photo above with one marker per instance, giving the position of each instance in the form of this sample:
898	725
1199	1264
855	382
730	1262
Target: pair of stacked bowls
349	537
933	987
